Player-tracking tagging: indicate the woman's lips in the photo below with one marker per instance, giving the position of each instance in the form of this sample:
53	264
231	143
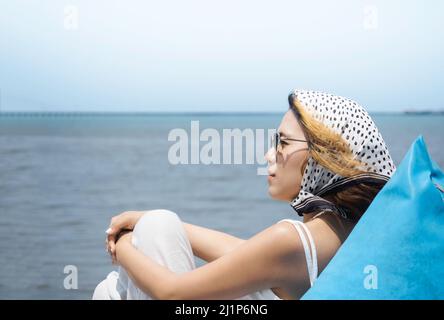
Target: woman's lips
270	178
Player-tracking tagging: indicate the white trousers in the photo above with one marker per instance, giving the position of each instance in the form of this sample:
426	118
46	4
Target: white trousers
160	235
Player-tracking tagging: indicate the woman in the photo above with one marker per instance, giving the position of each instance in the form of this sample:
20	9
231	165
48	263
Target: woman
328	161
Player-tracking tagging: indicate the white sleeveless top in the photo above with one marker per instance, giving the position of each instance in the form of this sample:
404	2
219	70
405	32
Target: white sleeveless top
310	256
309	248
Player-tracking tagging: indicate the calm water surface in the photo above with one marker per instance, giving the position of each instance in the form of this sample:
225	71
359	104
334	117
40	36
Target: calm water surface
63	177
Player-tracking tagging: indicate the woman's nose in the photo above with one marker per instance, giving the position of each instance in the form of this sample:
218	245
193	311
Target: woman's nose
270	156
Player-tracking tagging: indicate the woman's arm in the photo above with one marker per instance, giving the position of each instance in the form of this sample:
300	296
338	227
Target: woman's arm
270	259
209	244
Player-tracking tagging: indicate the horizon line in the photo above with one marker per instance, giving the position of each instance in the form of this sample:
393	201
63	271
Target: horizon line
4	112
203	113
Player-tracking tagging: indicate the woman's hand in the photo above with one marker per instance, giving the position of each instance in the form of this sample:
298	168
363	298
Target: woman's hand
123	239
123	222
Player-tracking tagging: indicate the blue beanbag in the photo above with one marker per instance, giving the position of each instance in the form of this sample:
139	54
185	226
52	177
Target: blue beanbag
396	250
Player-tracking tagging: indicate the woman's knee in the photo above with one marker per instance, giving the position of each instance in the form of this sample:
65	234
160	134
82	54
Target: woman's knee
158	217
155	223
161	235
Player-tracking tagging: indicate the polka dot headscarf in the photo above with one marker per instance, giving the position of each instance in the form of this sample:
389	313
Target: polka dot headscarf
353	123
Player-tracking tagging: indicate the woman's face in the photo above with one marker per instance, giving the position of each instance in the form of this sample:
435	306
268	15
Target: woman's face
285	165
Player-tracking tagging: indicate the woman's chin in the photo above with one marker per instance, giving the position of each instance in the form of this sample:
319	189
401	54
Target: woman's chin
273	194
270	192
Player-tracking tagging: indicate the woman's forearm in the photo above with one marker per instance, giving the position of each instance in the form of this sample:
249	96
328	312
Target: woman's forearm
209	244
158	281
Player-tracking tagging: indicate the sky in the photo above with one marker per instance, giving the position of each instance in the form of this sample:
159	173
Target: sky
231	55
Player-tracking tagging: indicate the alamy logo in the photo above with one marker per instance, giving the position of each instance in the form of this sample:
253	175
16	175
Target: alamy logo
71	17
219	148
371	18
71	280
371	278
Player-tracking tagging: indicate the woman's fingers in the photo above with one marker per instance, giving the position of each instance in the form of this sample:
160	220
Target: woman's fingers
116	225
111	239
120	223
112	247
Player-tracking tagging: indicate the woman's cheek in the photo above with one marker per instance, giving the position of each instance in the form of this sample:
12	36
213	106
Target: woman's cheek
293	183
288	187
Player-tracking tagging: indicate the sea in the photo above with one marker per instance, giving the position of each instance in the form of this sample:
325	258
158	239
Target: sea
63	176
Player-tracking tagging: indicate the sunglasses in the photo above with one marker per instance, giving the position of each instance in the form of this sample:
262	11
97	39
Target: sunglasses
276	141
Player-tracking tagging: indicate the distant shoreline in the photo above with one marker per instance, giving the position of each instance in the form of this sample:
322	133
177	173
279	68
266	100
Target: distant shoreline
425	112
131	114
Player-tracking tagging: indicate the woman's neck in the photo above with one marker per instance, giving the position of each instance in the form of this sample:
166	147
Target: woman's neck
310	216
341	226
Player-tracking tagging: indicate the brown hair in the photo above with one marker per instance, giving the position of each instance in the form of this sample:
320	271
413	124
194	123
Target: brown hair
331	151
355	199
